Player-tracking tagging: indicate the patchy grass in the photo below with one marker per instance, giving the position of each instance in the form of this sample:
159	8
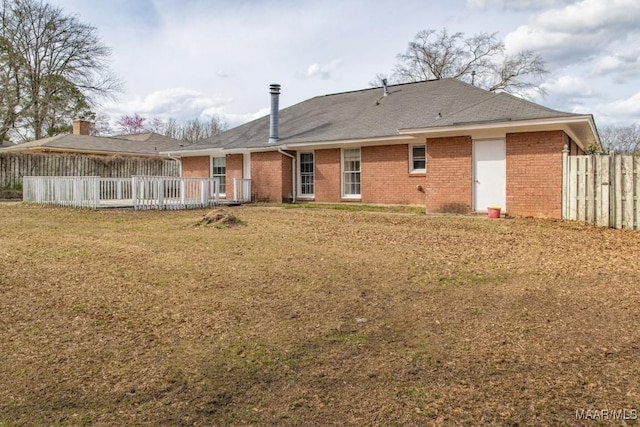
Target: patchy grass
313	316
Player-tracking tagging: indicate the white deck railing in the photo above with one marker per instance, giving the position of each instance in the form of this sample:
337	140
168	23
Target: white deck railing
140	192
71	191
152	192
241	190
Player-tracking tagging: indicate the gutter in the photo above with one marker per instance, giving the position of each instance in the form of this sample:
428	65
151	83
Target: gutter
293	173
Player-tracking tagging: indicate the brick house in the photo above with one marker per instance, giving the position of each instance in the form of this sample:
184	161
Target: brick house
442	144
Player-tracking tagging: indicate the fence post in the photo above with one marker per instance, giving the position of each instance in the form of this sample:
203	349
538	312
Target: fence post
134	191
565	181
96	192
203	193
160	193
235	189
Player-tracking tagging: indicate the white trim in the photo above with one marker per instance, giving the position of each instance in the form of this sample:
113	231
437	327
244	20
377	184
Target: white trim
216	152
411	169
342	172
301	195
341	143
503	124
222	194
574	126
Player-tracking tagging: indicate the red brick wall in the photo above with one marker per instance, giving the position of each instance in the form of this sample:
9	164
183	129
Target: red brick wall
327	175
534	173
287	189
574	149
449	174
196	167
234	169
270	176
386	179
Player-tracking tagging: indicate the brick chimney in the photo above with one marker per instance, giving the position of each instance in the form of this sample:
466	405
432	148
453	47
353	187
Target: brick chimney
81	126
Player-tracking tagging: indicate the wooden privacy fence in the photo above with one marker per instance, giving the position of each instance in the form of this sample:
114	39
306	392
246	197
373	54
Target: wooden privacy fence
139	192
602	190
14	166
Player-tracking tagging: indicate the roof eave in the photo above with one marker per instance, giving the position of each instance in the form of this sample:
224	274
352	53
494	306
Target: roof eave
85	151
382	140
581	128
193	153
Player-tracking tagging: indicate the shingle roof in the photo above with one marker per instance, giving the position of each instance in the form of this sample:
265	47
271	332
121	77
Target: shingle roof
366	113
147	144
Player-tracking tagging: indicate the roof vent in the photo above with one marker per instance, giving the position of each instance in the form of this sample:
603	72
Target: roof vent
274	89
386	88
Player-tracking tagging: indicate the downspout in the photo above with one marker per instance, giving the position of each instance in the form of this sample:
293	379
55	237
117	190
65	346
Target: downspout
293	173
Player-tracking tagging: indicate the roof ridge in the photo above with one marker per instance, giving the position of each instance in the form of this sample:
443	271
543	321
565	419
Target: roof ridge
378	87
47	140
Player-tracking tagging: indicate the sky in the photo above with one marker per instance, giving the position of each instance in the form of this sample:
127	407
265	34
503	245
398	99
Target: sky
190	59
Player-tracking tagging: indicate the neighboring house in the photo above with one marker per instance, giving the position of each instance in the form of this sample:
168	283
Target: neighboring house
442	144
80	142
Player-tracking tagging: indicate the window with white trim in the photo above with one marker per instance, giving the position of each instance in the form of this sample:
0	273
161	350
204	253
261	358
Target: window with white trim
306	170
219	170
418	158
351	173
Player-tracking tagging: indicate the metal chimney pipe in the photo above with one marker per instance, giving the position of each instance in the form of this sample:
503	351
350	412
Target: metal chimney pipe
386	89
274	89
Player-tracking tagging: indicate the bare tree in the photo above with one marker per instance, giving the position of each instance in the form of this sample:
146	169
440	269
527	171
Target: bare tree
621	139
101	125
194	130
48	56
480	60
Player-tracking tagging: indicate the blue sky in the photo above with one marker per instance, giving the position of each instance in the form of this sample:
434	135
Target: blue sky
194	58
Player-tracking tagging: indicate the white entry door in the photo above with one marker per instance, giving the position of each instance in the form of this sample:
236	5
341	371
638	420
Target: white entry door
489	167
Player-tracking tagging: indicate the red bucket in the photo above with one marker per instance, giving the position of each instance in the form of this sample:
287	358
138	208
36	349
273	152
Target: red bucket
493	212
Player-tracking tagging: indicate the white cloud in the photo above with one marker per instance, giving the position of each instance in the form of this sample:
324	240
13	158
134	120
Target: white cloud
587	16
516	4
582	29
569	87
621	112
233	119
323	71
619	66
178	103
629	106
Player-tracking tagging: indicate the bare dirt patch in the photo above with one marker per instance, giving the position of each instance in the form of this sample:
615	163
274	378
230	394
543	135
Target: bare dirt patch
313	317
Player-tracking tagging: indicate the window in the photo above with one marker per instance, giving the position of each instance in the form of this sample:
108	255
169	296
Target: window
351	173
219	170
307	175
418	158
